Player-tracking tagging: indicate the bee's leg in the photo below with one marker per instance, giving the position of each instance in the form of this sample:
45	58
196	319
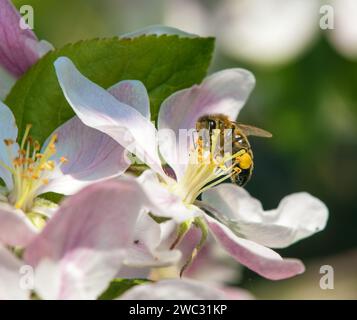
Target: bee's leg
237	170
234	176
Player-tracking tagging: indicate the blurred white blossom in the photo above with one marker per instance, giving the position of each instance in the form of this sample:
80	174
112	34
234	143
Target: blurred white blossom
344	35
267	32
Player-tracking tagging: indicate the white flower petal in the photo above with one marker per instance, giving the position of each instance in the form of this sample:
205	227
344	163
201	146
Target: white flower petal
298	216
133	273
256	257
10	277
92	156
8	130
234	203
170	205
15	227
144	251
98	109
173	290
300	212
134	94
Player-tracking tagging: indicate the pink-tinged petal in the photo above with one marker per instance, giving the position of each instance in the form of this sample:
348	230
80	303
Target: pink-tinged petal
15	228
212	264
19	48
86	240
8	131
169	204
224	92
133	273
144	250
91	156
158	30
233	293
298	215
256	257
134	94
174	289
98	109
10	277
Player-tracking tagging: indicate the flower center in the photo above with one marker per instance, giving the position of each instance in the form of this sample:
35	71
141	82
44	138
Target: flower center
209	164
30	169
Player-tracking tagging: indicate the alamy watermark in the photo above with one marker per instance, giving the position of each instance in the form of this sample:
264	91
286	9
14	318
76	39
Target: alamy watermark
27	277
327	19
27	17
327	281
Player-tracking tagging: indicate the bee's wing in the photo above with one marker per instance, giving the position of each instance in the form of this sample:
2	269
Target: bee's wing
253	131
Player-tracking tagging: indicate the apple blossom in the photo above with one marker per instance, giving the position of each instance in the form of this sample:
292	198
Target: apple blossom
73	157
240	225
82	247
344	28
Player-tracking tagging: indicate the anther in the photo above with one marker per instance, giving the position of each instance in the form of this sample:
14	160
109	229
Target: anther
9	142
63	160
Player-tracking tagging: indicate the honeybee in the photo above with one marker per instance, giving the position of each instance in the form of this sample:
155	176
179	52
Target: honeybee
243	164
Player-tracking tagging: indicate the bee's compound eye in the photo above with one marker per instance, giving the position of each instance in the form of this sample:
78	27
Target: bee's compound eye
239	139
211	124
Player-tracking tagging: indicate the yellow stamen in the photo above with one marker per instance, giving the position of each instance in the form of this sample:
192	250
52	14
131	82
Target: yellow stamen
30	169
24	139
208	167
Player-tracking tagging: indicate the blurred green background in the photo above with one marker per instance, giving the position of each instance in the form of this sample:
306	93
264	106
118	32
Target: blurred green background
306	95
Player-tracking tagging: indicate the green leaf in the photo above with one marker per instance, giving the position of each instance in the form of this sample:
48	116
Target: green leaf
164	64
118	286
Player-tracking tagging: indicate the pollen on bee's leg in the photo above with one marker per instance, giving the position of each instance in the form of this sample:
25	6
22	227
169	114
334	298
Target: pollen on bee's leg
245	161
